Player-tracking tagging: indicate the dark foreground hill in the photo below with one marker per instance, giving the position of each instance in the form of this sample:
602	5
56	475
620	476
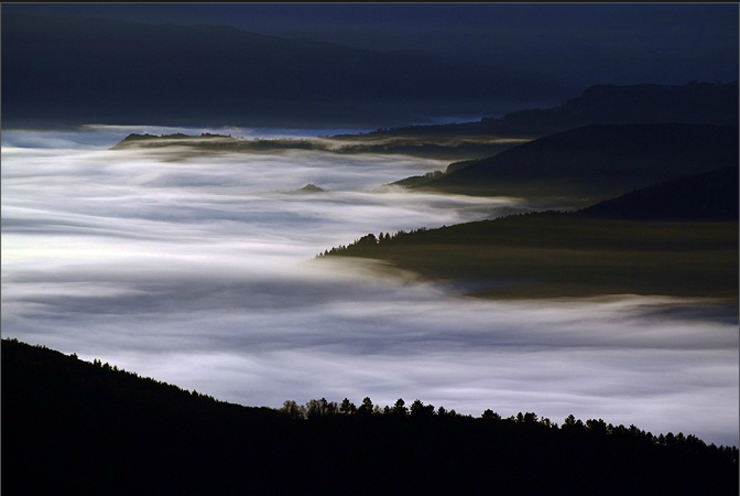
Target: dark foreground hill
72	427
676	238
596	162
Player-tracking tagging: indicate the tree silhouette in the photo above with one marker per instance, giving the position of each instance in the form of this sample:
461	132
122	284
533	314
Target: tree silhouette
366	408
292	410
419	409
490	415
347	407
399	408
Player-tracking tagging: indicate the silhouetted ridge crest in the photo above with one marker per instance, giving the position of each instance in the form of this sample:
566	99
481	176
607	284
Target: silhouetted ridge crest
86	428
694	103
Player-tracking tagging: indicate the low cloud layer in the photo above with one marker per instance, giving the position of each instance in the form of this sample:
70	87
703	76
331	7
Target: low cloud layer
199	272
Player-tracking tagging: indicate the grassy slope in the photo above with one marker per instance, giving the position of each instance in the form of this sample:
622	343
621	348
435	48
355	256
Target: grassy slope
679	237
458	148
551	255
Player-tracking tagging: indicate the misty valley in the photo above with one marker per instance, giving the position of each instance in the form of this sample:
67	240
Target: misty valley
318	260
184	237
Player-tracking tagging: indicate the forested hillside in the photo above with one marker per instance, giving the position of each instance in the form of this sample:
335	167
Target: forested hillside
74	427
679	237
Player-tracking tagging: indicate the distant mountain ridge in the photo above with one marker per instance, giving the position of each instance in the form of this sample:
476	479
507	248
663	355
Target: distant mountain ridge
693	103
596	161
453	149
96	70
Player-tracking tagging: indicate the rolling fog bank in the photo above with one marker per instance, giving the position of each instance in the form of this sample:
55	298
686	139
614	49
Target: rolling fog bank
199	271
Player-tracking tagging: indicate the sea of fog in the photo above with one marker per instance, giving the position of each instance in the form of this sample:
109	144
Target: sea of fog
200	271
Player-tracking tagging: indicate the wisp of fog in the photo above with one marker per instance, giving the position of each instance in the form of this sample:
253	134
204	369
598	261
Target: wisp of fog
200	271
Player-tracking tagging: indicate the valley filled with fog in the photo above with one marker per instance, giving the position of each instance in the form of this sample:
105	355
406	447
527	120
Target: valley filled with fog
199	270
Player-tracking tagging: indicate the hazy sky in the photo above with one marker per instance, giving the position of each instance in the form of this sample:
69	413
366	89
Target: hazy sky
343	65
200	272
586	43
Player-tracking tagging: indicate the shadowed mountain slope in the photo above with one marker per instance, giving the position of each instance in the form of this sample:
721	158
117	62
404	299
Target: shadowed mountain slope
72	427
78	70
711	195
596	162
694	103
